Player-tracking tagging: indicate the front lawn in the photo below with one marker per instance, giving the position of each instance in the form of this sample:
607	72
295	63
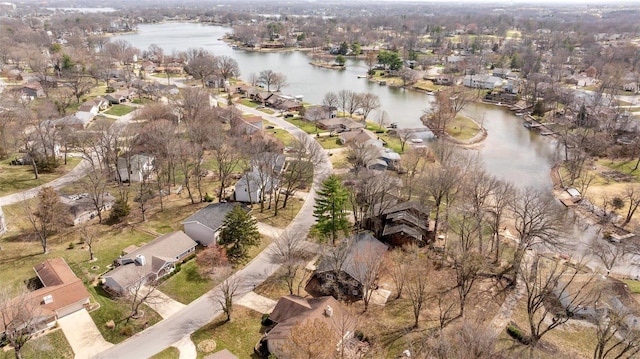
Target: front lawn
283	136
119	110
19	178
626	167
186	285
329	142
53	345
306	126
169	353
118	311
285	215
249	103
239	336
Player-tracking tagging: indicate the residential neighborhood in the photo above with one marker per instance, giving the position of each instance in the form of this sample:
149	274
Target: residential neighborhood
374	179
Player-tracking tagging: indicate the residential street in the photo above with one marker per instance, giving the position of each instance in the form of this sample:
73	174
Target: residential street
204	309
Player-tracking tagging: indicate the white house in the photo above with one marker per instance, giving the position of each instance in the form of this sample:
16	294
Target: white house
204	226
252	185
482	81
135	168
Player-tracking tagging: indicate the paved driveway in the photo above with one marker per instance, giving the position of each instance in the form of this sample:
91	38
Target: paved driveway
83	335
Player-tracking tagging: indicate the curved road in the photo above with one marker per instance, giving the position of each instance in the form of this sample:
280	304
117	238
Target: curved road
204	309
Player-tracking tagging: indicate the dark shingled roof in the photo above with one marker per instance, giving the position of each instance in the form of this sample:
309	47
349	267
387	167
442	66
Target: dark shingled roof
213	215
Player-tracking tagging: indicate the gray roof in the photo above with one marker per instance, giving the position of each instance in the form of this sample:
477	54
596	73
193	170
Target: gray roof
212	216
157	253
363	242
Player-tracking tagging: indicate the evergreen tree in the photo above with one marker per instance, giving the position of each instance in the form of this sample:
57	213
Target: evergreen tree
330	208
239	232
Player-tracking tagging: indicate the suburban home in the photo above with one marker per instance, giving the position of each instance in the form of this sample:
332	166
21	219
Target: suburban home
339	124
340	274
149	262
316	113
482	81
136	168
205	225
248	125
61	294
73	121
252	185
399	224
501	73
360	136
149	66
292	310
31	91
82	208
120	96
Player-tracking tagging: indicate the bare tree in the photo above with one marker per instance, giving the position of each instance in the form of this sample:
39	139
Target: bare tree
309	340
49	215
367	266
271	78
20	315
89	238
95	184
615	338
227	160
632	197
501	195
289	252
546	281
466	262
417	287
228	67
225	293
609	254
330	99
201	64
143	291
368	103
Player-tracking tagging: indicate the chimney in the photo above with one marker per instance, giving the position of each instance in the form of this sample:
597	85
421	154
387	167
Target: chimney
328	311
140	259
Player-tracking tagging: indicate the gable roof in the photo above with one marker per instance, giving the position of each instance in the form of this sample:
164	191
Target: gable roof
291	310
157	254
212	216
363	242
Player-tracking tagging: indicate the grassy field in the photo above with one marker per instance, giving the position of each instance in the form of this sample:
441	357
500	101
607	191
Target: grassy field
462	128
328	142
169	353
626	167
19	178
249	103
187	285
306	126
119	110
339	160
238	336
283	136
634	285
53	345
285	215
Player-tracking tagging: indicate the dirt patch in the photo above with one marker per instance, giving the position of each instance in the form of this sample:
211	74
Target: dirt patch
617	176
207	346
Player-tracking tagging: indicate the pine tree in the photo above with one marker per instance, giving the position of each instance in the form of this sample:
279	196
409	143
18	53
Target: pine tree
239	232
330	208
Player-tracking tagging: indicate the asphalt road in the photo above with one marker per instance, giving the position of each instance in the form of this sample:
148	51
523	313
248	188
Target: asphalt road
204	309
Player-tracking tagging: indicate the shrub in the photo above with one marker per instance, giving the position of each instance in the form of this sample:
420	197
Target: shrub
126	331
71	245
265	320
516	334
119	210
47	164
208	198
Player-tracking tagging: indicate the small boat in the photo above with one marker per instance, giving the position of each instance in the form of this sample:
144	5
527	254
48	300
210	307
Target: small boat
382	83
416	140
519	114
546	133
431	93
362	76
527	124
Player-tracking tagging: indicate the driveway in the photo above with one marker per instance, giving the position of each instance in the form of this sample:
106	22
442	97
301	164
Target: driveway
83	335
163	304
203	310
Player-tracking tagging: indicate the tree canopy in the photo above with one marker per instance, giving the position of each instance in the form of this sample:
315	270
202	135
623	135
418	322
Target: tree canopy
239	232
330	208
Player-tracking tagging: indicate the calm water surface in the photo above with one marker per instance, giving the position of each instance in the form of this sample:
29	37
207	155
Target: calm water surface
510	151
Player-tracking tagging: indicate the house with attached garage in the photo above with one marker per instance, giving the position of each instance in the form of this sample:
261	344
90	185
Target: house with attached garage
205	225
148	263
135	168
61	293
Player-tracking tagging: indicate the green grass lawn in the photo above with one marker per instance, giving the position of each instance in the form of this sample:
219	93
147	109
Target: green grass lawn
634	285
283	136
393	143
117	311
119	110
186	285
306	126
285	215
169	353
238	336
249	103
329	142
374	127
622	166
53	345
19	178
462	128
268	111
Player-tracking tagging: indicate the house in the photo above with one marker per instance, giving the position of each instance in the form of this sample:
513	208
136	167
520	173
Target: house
292	310
205	225
342	277
149	66
72	121
61	294
482	81
31	91
399	224
136	168
252	185
360	136
501	73
120	96
248	125
82	208
316	113
339	124
149	262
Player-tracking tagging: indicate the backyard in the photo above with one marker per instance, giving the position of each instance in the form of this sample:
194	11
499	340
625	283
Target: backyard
16	178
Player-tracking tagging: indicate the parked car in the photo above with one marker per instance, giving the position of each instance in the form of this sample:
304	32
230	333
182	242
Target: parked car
289	115
269	127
